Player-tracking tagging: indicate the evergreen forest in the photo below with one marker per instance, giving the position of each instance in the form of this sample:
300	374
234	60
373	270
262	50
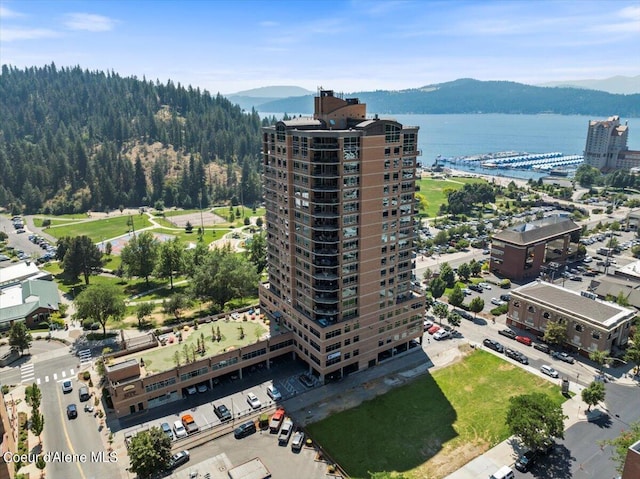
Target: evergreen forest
73	140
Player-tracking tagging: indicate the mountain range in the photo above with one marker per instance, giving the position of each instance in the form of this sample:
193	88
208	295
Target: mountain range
461	96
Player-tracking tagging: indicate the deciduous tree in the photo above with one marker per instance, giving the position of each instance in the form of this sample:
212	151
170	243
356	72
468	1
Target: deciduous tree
149	452
448	275
593	394
437	287
456	298
598	357
534	418
19	336
476	305
100	303
140	255
464	271
171	259
143	310
556	333
633	353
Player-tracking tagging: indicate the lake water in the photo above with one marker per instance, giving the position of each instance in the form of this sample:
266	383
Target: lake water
464	135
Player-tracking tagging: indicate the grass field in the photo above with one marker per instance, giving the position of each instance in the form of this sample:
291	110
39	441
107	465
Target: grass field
163	358
434	191
432	426
99	230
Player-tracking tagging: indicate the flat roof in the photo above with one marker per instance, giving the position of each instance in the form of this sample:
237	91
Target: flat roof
534	231
253	469
121	365
574	304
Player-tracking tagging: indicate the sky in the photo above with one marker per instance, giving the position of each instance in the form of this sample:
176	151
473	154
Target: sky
349	46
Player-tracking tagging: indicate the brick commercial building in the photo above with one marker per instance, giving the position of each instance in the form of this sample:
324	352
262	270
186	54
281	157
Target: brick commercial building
592	324
339	192
525	250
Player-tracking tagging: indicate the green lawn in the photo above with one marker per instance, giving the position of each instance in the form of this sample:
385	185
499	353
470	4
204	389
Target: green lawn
434	191
163	358
102	229
433	426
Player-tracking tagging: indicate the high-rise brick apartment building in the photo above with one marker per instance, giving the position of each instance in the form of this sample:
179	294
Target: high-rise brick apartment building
339	193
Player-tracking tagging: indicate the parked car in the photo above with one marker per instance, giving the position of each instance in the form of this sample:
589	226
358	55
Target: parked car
427	324
541	347
222	412
67	386
179	430
167	430
433	329
508	333
505	297
273	393
202	387
524	340
191	390
476	288
527	460
276	420
285	432
466	291
190	424
516	355
549	371
178	459
253	401
442	334
486	286
497	302
297	441
563	357
306	380
244	429
492	344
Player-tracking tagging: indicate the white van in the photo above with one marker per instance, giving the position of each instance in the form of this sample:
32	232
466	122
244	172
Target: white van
504	472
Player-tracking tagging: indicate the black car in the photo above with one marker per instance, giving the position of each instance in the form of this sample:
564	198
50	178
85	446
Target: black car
178	459
541	347
245	429
527	460
72	411
495	345
476	288
508	333
505	297
222	412
517	355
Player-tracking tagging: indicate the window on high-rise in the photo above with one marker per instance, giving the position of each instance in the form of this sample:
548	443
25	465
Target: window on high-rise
391	133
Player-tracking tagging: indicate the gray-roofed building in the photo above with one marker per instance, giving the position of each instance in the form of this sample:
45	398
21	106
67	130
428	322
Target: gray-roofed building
524	250
592	324
31	301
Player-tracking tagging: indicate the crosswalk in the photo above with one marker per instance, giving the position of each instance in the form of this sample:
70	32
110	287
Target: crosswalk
85	356
27	375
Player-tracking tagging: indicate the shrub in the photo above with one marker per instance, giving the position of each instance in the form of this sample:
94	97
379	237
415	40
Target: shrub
43	325
4	389
86	375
